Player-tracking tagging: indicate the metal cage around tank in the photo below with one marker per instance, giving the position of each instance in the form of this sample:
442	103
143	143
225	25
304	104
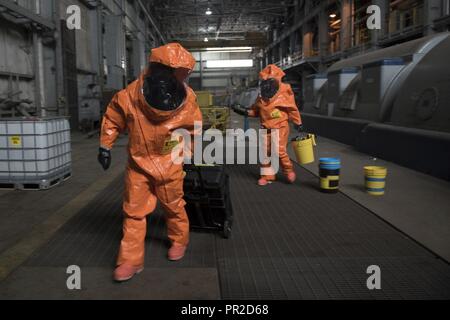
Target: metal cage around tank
35	153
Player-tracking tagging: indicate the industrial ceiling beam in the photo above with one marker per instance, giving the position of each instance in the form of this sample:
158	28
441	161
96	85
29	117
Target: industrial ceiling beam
187	19
223	33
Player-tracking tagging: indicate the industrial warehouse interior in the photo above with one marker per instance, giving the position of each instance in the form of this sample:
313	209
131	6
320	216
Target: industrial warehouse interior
348	99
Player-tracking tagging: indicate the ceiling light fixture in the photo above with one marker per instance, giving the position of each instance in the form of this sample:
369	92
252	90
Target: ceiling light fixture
333	15
229	49
208	12
239	63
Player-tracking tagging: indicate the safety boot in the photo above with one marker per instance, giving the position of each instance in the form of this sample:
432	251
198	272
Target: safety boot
125	272
264	182
176	252
291	176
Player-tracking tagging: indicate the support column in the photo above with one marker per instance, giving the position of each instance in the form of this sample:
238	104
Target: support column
101	63
376	35
38	75
324	39
300	39
307	41
346	29
292	43
431	11
61	105
201	71
280	51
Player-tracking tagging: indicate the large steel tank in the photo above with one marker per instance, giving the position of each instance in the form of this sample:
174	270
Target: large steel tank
406	84
393	103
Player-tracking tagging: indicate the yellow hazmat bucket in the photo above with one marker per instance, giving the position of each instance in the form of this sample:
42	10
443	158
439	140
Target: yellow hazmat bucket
375	180
304	148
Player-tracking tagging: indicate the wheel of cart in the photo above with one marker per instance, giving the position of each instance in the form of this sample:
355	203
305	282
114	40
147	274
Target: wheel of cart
208	200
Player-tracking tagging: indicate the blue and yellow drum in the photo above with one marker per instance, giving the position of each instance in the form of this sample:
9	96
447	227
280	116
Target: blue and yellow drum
329	171
375	180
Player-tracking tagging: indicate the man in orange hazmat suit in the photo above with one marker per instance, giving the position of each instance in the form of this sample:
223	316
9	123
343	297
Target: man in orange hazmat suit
275	107
151	108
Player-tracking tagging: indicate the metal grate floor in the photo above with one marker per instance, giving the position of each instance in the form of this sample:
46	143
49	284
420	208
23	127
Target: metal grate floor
288	242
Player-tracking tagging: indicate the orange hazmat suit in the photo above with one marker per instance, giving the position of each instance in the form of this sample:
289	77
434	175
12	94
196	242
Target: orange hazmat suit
275	113
151	174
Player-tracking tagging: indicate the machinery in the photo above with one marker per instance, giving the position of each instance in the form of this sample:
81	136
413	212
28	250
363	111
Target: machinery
405	85
393	103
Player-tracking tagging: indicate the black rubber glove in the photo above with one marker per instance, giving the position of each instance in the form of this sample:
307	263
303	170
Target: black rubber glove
299	128
104	157
241	111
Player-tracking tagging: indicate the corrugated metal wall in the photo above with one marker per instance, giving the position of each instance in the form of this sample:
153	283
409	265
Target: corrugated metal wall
102	64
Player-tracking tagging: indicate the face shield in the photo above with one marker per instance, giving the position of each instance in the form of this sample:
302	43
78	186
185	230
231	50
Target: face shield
162	90
269	88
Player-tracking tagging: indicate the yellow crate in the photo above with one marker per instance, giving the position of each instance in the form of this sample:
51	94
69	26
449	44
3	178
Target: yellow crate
204	98
216	117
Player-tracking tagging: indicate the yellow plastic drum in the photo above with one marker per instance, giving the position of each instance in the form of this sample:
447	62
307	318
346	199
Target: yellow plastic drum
304	149
375	180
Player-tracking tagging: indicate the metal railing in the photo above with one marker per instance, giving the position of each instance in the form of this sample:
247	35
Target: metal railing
404	21
399	22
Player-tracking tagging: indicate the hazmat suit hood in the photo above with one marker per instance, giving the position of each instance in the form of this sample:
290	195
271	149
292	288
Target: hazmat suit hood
284	95
271	78
174	56
272	72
